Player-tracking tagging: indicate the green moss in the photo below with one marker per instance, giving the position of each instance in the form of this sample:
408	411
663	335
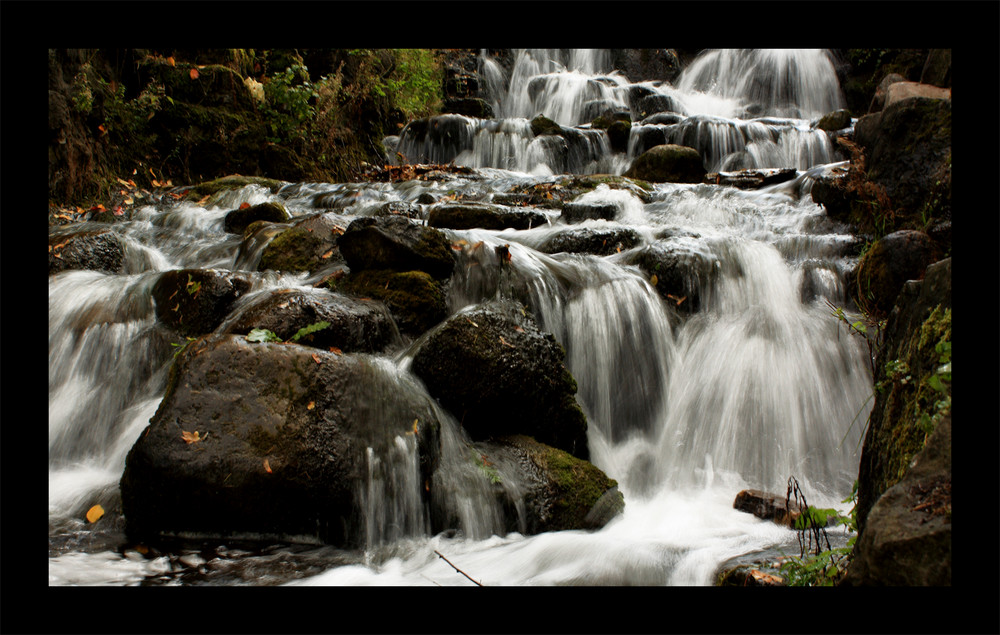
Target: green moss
579	484
291	250
233	182
415	299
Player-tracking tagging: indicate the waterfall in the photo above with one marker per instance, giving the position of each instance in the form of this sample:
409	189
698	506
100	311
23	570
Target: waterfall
686	404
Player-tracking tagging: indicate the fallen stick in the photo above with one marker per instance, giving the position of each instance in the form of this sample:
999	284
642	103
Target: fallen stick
454	567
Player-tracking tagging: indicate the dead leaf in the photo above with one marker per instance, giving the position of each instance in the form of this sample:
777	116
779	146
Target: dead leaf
336	351
204	200
327	254
506	343
244	205
316	358
194	73
171	61
94	513
311	405
267	466
190	437
653	280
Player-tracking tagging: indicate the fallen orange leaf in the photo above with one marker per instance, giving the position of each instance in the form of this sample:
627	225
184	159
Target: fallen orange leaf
336	351
317	359
94	513
244	205
267	466
311	405
170	61
194	73
191	437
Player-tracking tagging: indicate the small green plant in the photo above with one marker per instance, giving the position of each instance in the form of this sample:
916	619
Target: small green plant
486	467
180	347
816	566
265	335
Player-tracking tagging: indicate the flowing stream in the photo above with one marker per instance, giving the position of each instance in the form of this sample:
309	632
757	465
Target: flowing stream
760	384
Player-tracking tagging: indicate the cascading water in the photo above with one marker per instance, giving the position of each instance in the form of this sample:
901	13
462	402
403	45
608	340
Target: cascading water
757	385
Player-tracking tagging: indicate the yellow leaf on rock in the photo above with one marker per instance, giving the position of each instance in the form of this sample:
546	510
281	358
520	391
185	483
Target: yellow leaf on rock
190	437
267	466
653	280
94	513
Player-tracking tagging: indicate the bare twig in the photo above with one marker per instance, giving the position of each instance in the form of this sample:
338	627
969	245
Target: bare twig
455	568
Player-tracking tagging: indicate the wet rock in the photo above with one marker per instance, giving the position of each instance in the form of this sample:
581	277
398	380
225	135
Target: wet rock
579	212
749	575
618	135
470	107
907	538
97	250
600	242
752	178
196	301
832	192
836	120
238	220
485	216
396	243
355	325
668	163
647	138
498	374
768	506
283	436
878	99
415	299
310	244
641	65
557	491
680	274
907	405
888	264
437	139
908	149
662	119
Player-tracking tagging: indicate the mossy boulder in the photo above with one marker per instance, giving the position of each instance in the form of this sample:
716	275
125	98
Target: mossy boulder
556	490
485	216
83	248
396	243
415	299
579	212
196	301
913	391
499	375
231	182
887	265
238	220
310	244
668	163
542	125
833	121
271	442
354	325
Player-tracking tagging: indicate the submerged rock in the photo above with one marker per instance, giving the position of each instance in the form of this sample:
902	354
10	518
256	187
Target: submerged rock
271	441
499	375
681	275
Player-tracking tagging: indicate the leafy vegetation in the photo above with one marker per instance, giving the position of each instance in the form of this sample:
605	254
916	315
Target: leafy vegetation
815	565
265	335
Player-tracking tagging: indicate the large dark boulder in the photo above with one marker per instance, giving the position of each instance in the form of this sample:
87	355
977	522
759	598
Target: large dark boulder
579	212
485	216
542	488
354	325
94	249
908	148
641	65
911	394
282	447
196	301
396	243
888	264
310	244
907	537
415	299
499	375
668	163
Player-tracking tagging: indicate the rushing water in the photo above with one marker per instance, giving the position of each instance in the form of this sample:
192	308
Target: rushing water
759	385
